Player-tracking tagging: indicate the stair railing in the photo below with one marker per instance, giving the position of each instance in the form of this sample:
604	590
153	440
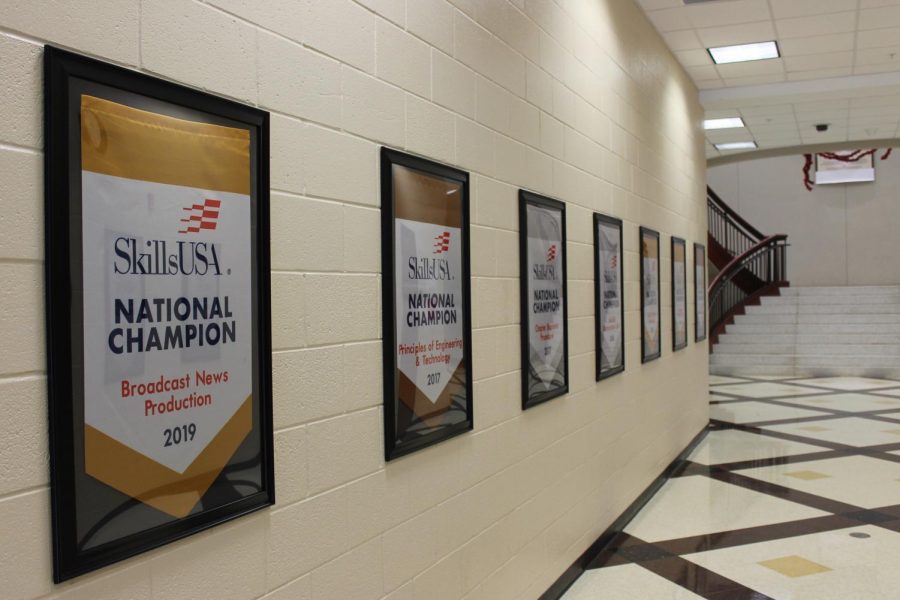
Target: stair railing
728	228
751	274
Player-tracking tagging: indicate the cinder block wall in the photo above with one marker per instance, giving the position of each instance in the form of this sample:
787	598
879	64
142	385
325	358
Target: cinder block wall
577	99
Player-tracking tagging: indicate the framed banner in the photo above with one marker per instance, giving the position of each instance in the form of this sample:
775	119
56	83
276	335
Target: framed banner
158	318
609	299
679	294
544	295
651	347
426	301
699	292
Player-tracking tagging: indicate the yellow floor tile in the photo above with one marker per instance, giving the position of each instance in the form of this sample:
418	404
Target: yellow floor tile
794	566
808	475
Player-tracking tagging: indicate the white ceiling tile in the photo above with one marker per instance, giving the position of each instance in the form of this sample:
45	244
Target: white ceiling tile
816	25
702	73
820	105
752	110
770	120
871	133
720	114
752	68
879	56
878	18
835	42
783	136
712	84
669	19
730	35
878	122
774	133
877	38
767	144
714	14
820	74
819	40
824	137
874	111
694	58
756	80
723	136
828	60
785	9
893	100
657	4
877	3
870	69
682	40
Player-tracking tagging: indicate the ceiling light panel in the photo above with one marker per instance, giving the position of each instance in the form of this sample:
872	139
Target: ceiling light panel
724	55
736	146
729	123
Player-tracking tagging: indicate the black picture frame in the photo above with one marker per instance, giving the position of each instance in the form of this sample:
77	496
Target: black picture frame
700	295
650	234
395	443
598	300
527	199
673	243
66	77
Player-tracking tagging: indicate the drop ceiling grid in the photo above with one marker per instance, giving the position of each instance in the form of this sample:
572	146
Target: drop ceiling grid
818	39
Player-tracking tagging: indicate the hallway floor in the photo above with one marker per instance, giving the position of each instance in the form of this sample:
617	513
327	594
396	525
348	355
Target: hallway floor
793	495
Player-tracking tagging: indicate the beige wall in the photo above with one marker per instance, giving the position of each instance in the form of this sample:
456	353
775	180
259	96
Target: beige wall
841	234
577	99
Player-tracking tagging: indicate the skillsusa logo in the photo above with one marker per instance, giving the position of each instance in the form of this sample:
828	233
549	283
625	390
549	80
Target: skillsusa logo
442	243
201	216
551	253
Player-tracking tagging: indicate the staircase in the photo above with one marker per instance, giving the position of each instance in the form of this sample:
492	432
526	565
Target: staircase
815	332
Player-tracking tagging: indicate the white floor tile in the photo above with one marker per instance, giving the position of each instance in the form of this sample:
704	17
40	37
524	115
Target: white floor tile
764	389
718	380
858	480
852	402
851	431
754	412
625	582
697	505
861	569
849	383
730	445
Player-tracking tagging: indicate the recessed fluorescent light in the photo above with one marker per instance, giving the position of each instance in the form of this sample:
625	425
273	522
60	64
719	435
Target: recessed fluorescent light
737	146
744	52
728	123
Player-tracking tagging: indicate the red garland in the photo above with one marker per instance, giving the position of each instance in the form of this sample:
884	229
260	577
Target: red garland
854	156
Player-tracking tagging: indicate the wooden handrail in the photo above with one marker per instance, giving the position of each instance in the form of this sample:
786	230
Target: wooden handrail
711	195
736	262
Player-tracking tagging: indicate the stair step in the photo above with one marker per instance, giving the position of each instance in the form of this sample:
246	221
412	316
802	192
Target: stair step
813	328
891	362
880	318
772	370
855	299
815	331
751	359
883	350
840	290
818	309
731	338
765	348
751	370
